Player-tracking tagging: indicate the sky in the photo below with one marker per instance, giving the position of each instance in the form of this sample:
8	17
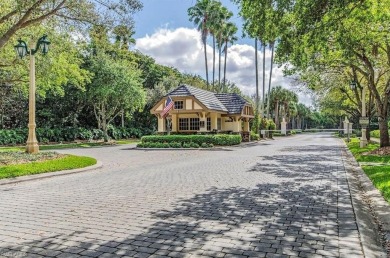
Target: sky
164	32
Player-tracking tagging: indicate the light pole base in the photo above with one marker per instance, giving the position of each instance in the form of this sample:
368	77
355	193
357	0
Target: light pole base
32	147
363	143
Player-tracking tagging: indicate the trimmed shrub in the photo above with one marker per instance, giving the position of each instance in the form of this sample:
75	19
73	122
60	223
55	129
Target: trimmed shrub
175	144
186	145
254	136
194	145
217	139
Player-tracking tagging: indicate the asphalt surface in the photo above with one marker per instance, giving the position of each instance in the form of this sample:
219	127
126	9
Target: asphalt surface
283	198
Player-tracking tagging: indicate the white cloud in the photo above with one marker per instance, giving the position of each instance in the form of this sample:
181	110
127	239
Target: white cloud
182	48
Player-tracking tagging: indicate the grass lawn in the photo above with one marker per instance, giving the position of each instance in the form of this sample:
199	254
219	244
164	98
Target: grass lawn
16	163
380	174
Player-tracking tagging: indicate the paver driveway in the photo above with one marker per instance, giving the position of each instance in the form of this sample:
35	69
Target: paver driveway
282	198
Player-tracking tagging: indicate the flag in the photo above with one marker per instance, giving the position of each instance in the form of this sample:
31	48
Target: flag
168	107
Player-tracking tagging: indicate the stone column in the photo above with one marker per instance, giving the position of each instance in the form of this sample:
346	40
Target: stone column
345	125
283	127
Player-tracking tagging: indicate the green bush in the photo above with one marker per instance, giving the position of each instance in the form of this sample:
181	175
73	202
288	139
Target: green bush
217	139
254	136
375	134
186	145
194	145
67	134
175	144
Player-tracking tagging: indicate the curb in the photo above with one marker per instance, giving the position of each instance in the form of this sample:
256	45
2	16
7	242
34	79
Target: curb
22	179
371	210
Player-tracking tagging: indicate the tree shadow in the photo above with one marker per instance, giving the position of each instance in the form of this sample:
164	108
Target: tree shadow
300	220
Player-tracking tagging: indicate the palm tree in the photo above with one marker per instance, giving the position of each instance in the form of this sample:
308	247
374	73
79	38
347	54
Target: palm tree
220	22
276	95
229	37
123	36
214	24
199	14
272	45
257	76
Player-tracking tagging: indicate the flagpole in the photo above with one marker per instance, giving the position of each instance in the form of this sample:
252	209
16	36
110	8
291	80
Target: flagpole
169	125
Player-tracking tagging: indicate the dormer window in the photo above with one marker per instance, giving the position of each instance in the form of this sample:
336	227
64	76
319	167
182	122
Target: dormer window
179	104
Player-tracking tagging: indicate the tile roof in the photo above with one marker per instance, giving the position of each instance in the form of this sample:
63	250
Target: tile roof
227	102
233	102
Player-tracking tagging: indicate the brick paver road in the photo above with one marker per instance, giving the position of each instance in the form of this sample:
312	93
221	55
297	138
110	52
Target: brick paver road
282	198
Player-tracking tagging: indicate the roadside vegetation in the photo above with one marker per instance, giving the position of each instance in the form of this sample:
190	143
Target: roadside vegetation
376	164
17	163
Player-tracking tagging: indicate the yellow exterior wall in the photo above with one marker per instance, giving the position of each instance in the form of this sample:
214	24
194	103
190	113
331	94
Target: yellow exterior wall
188	104
197	106
161	123
174	123
237	125
227	126
160	108
246	126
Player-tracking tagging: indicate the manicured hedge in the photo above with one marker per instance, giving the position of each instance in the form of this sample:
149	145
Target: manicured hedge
188	141
68	134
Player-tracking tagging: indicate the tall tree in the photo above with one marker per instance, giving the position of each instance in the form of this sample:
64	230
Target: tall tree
115	86
220	25
17	15
200	14
229	37
335	38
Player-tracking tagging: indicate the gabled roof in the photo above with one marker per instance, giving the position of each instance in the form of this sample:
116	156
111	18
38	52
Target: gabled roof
207	98
231	103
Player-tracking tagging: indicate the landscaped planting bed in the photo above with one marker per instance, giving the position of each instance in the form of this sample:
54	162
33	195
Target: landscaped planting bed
17	163
377	164
189	141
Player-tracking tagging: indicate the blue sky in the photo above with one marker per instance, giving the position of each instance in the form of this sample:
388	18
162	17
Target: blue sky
164	32
172	14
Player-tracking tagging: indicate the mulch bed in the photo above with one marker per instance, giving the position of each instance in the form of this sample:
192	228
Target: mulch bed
19	157
379	152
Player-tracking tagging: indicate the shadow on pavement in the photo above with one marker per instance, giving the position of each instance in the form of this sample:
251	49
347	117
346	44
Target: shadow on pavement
268	219
292	218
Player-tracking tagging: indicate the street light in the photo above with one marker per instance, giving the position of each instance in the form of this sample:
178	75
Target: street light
363	120
22	50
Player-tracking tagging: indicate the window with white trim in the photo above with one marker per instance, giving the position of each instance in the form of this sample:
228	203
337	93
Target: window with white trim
179	104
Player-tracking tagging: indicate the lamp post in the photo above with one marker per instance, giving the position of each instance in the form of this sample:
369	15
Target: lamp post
363	120
22	50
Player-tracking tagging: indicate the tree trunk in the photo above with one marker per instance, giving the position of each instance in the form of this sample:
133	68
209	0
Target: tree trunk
384	131
263	94
277	114
224	67
219	68
270	78
104	124
213	60
257	76
123	118
205	61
